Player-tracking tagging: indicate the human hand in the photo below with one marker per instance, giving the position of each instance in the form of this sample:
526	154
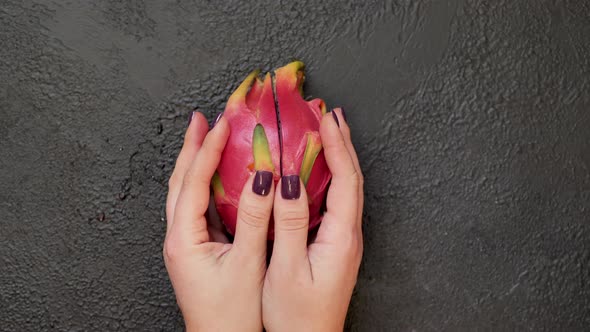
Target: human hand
308	288
218	285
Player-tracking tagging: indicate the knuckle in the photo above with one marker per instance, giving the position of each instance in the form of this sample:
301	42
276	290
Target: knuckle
173	182
254	215
346	131
174	248
352	246
189	178
358	253
356	179
210	147
292	221
192	179
336	144
361	178
170	251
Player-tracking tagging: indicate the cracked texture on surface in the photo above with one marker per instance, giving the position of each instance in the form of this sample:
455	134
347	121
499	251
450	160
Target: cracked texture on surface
470	118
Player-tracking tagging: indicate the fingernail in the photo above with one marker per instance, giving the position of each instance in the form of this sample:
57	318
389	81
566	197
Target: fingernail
290	187
217	119
336	118
190	117
343	114
262	183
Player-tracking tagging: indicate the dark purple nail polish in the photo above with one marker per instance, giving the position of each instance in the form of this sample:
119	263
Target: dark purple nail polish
290	187
217	120
262	183
336	118
343	114
190	118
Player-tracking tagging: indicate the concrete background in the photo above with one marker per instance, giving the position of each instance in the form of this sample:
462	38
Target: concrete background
471	120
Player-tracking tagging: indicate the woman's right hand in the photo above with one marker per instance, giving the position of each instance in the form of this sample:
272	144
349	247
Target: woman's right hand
308	288
218	285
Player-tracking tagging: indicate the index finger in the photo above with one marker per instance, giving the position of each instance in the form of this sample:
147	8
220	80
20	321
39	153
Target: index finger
345	129
193	200
195	134
343	195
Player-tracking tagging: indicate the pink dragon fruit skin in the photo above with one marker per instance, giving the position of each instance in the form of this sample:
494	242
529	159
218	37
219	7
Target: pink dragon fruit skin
255	141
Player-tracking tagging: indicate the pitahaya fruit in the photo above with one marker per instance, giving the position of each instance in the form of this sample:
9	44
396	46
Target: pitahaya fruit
272	129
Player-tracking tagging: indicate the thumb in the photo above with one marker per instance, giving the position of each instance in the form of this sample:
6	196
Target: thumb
254	210
291	214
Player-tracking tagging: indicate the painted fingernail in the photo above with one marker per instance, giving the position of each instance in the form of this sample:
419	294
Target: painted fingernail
262	183
336	118
290	187
343	114
190	117
217	119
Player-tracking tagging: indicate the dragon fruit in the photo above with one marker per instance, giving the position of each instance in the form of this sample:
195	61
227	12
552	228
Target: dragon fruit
272	129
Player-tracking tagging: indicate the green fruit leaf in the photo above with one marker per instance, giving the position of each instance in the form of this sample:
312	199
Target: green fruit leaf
261	150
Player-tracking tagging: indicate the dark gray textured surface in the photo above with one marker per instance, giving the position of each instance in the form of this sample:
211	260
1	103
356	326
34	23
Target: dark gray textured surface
471	120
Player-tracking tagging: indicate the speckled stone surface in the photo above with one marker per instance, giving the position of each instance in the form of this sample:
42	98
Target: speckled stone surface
471	119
